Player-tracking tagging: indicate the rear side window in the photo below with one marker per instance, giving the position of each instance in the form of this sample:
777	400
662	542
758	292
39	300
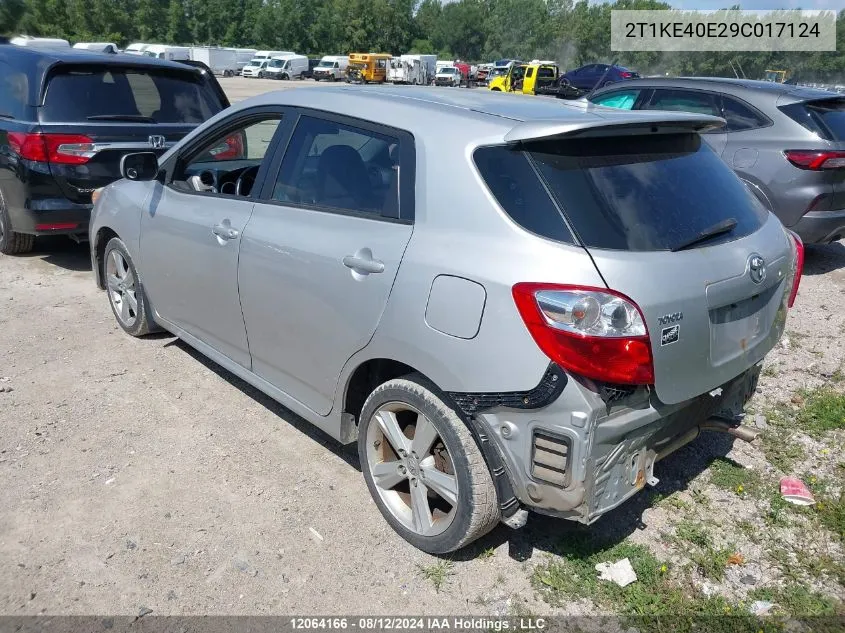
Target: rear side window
14	88
740	116
825	118
122	94
684	101
513	183
645	193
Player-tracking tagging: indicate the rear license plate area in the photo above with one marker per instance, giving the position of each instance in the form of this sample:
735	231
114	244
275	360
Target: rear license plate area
739	327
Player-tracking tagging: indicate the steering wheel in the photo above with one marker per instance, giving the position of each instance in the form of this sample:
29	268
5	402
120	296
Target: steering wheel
244	183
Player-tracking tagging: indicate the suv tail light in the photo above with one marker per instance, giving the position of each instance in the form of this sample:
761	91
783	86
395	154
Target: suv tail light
591	332
815	160
626	74
64	149
797	266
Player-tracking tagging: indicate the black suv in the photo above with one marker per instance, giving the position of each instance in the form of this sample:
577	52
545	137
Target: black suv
67	117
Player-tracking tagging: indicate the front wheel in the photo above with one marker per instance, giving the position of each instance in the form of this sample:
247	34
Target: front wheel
423	467
126	294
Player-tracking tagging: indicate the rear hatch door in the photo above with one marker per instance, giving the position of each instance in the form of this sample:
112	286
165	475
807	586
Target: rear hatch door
92	116
824	116
642	205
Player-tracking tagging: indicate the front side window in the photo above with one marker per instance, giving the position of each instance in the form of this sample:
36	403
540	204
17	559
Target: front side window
338	166
622	99
228	162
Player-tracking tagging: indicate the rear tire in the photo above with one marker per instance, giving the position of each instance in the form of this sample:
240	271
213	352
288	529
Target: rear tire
11	242
126	294
438	495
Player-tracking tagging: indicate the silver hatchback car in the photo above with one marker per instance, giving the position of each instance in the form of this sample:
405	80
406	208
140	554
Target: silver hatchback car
511	303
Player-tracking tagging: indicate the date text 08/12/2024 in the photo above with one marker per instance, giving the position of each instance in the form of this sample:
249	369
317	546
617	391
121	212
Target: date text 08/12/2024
384	623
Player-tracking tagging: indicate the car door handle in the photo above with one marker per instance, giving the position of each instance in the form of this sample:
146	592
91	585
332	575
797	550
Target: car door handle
363	264
225	231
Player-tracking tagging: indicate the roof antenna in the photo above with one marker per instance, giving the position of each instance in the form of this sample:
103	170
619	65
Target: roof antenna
733	69
741	70
601	81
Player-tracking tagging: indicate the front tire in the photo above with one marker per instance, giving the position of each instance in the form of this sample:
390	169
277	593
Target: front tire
11	242
423	467
126	293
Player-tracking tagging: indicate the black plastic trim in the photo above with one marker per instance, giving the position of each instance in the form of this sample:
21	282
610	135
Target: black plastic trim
546	392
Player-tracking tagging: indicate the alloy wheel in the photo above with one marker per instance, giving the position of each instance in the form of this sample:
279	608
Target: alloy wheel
412	469
120	282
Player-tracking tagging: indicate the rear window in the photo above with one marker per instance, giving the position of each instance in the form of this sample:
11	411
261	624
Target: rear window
825	118
164	97
644	193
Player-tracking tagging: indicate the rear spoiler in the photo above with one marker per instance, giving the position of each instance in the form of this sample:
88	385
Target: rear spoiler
612	124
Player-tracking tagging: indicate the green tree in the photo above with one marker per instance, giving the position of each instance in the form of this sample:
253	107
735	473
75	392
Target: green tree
11	12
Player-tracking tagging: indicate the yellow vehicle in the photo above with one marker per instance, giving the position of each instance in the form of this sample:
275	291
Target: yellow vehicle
511	81
776	76
539	76
525	78
367	67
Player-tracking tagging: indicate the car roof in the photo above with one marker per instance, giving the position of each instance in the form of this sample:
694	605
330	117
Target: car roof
746	88
420	109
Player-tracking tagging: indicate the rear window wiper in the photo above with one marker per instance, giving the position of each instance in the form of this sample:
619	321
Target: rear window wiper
135	118
725	226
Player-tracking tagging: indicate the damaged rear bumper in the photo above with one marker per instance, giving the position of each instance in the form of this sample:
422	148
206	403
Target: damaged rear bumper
594	447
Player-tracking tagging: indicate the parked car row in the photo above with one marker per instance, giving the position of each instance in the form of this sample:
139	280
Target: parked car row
615	291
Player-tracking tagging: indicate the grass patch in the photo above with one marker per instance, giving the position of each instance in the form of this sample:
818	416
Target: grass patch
676	502
778	512
795	600
487	554
770	371
726	474
692	532
823	411
438	573
709	561
831	513
781	450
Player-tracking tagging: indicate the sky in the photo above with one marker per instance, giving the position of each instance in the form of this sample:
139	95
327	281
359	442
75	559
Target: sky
836	5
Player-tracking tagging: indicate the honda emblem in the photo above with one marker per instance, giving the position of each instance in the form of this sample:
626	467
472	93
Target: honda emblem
157	141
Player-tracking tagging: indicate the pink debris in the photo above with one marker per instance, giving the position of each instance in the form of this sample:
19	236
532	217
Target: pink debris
793	490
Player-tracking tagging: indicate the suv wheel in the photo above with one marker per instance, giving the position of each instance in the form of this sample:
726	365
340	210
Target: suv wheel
423	467
126	294
12	243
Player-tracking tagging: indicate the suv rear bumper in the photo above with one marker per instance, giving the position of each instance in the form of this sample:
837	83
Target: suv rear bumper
572	459
51	216
821	227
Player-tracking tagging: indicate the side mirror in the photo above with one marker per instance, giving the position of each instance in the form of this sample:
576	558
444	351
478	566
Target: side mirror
140	166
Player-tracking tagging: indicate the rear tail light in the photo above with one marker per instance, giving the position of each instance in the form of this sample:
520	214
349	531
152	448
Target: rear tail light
596	333
232	147
56	226
626	75
797	266
63	149
815	160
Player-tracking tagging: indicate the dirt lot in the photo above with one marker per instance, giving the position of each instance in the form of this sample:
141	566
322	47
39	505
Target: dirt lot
137	475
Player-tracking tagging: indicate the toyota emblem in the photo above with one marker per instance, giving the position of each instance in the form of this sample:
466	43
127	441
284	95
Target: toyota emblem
157	141
756	268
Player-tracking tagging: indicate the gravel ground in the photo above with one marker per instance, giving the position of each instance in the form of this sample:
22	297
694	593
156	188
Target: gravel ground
137	475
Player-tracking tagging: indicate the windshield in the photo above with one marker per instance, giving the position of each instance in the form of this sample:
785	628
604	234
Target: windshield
255	62
645	194
276	63
449	71
81	94
326	63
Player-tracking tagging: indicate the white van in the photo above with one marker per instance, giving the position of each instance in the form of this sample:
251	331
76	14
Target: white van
99	47
136	48
162	51
258	64
243	56
331	67
286	67
39	42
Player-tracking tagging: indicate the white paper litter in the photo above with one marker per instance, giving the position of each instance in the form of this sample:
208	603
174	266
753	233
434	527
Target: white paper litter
619	572
761	607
